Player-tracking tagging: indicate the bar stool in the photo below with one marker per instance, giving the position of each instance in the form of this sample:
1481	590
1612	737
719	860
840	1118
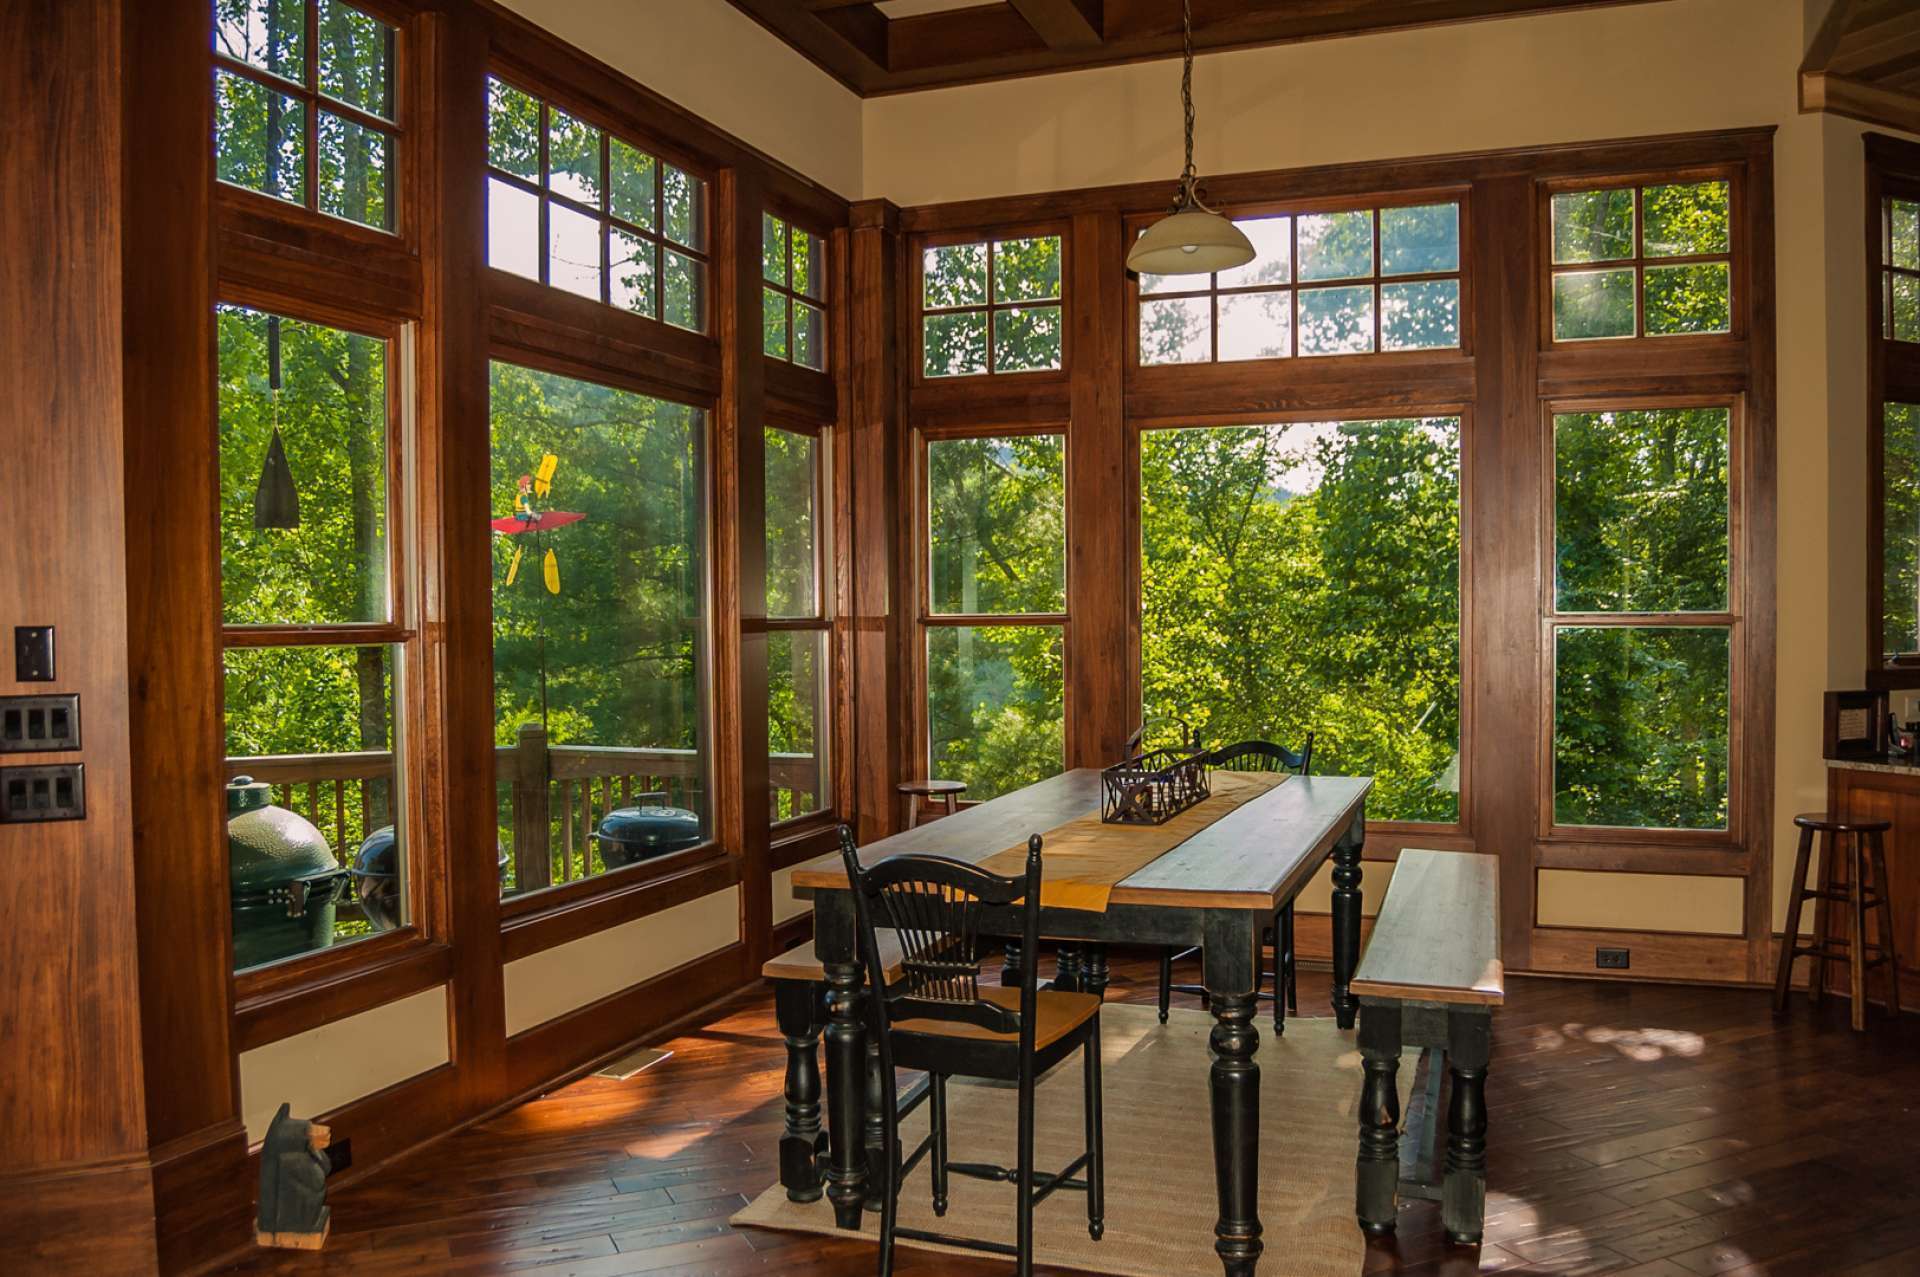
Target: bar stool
915	790
1866	854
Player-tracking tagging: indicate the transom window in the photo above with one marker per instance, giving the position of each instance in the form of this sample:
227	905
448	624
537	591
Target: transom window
1900	269
577	208
793	274
1348	282
303	105
991	307
1641	261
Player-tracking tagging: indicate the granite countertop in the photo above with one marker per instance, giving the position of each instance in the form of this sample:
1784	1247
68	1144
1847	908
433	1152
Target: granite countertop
1899	766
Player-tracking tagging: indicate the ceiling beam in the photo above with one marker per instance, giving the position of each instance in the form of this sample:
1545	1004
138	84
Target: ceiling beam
1863	64
1066	25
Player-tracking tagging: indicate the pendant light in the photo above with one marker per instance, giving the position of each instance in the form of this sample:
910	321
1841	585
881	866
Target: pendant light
276	501
1193	239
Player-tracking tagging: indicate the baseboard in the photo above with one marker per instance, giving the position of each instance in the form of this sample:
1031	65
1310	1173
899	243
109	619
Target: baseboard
198	1212
79	1217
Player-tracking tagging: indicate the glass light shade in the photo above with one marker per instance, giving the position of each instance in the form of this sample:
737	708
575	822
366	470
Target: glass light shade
1190	242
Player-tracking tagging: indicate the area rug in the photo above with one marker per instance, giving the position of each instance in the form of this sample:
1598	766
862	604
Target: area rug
1159	1145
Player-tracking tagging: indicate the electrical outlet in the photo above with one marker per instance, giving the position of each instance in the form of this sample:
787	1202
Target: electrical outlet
32	794
339	1156
1611	959
39	724
33	653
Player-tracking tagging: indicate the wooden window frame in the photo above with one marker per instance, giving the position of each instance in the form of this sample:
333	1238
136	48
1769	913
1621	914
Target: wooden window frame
1375	280
795	298
313	100
820	621
917	311
1736	257
1893	376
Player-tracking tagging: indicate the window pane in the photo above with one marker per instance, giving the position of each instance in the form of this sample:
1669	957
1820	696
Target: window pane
513	228
260	138
1026	269
1640	727
356	59
1026	338
1336	245
773	323
1900	545
809	264
686	208
1906	308
1336	321
1640	510
513	131
573	158
573	251
303	525
773	249
1419	241
630	259
1593	226
1420	316
631	175
955	276
1255	326
809	337
956	344
1592	303
1688	299
354	165
599	579
1176	330
793	486
1903	245
1273	254
797	722
1306	577
686	299
994	706
1685	220
269	34
316	725
997	514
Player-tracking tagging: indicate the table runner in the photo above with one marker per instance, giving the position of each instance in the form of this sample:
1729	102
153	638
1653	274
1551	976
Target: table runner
1085	858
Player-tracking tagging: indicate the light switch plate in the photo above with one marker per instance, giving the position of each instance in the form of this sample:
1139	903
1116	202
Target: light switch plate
33	653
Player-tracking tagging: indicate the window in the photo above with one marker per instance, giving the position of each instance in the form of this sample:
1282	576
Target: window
793	272
599	627
797	654
577	208
1306	577
1900	269
995	610
303	105
1641	261
1367	280
1900	532
991	307
1642	619
317	650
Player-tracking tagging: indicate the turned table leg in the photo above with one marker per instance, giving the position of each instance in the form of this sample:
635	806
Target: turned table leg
1377	1171
797	1008
846	1035
1231	957
1463	1201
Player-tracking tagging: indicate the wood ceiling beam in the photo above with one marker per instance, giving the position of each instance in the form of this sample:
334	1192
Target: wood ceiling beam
1865	63
825	46
1066	25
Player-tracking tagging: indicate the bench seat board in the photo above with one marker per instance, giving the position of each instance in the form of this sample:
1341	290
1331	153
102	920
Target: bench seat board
1437	938
798	963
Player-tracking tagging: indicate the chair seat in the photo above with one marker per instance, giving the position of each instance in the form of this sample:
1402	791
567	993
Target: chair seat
1057	1014
798	963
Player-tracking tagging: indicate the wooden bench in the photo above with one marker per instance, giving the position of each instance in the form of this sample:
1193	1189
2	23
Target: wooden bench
1430	977
799	997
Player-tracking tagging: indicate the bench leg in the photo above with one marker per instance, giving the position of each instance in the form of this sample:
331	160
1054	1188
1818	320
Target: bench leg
797	1006
1068	976
1377	1172
1463	1201
1014	966
1093	970
1346	924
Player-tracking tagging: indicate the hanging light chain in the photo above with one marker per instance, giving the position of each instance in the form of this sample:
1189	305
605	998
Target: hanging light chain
1188	196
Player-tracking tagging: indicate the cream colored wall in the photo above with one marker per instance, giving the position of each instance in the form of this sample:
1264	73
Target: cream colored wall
711	59
569	976
785	904
324	1068
1641	902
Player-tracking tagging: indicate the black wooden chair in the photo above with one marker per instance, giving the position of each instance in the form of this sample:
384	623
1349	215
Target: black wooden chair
1254	756
940	1019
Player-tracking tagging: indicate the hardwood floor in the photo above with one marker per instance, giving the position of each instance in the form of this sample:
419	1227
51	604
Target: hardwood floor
1636	1129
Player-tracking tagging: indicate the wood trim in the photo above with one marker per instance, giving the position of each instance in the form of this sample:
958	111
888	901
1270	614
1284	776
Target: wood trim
1656	955
613	904
93	1216
1642	859
305	1002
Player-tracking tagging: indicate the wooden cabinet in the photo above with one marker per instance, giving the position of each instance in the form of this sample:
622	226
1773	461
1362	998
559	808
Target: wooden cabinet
1885	791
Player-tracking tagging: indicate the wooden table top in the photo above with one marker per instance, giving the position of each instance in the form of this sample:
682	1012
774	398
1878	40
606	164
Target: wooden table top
1254	857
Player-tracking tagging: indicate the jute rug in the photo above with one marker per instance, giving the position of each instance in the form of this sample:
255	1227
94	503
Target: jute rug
1159	1146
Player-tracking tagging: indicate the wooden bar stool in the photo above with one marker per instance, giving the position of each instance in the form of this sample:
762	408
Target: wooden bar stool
1865	846
915	790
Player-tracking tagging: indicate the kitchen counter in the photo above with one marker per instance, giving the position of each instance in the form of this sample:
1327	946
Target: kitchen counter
1895	766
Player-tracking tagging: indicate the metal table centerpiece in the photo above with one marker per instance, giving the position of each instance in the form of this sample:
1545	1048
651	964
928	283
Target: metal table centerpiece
1152	787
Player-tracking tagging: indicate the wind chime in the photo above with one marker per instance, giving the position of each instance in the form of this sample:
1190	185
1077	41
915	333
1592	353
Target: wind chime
276	501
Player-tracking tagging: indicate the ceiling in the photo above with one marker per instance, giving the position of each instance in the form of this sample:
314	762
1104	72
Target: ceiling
1866	63
893	46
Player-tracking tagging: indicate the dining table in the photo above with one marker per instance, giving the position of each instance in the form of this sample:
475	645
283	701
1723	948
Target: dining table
1211	877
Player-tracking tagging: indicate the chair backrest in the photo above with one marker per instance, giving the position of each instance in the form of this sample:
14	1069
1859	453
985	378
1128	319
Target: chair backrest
1264	756
934	904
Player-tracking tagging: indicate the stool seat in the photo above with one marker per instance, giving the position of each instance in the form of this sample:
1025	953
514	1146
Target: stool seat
949	790
1859	848
1826	824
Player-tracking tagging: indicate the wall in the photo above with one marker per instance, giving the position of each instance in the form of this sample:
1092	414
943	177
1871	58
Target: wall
1674	67
707	57
322	1069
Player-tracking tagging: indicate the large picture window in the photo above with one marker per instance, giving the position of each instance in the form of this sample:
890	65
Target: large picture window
1305	577
599	627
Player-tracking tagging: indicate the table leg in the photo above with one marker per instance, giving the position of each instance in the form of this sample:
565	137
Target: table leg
846	1035
1066	976
1463	1198
1376	1180
796	1007
1013	967
1231	957
1346	920
1093	970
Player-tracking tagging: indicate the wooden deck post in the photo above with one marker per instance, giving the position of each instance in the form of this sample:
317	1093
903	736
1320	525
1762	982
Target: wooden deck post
532	862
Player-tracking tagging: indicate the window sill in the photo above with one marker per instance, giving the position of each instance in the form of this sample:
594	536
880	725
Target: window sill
555	916
805	838
271	1003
